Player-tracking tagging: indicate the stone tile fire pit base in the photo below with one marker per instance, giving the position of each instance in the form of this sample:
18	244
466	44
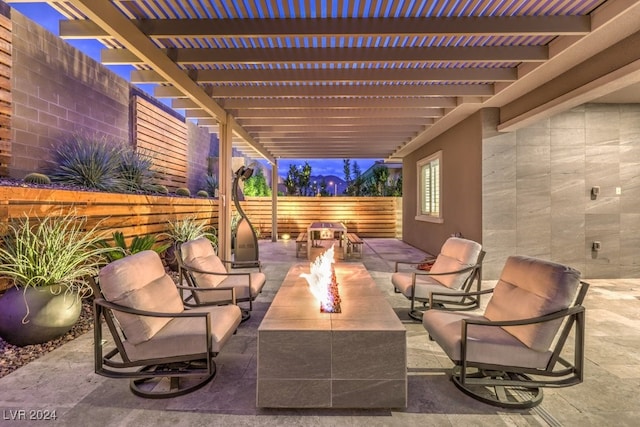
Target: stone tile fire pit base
353	359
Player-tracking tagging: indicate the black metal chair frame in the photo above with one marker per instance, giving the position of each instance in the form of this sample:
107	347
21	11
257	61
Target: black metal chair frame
186	274
199	367
513	387
468	300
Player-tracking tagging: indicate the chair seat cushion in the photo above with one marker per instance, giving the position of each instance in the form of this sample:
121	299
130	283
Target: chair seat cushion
241	285
184	336
425	285
489	345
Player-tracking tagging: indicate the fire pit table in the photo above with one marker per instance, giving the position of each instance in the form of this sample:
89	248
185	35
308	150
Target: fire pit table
353	359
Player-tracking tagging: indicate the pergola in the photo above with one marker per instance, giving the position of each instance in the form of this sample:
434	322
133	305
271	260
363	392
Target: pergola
357	79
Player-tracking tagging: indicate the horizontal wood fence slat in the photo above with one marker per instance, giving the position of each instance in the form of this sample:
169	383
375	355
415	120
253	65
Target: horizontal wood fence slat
5	94
164	137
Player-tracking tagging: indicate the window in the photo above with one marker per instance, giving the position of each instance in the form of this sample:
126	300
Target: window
429	188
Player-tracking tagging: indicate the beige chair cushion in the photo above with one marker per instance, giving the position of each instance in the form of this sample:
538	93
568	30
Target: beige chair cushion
456	254
200	254
139	281
530	287
425	285
183	336
241	283
490	345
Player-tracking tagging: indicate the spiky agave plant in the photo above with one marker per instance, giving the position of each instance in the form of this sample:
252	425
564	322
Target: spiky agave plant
136	171
89	161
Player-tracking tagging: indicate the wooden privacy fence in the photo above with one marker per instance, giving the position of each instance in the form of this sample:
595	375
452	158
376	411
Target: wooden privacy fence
134	215
137	215
366	216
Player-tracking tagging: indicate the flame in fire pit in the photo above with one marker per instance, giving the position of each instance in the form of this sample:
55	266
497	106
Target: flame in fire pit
322	282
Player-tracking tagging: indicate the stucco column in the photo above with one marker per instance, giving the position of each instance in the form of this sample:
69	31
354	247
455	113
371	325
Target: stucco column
274	201
224	206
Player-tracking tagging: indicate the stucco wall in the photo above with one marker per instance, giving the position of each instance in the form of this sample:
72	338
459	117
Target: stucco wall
537	192
57	90
462	187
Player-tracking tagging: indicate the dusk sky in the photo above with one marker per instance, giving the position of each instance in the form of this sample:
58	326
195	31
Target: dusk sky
47	17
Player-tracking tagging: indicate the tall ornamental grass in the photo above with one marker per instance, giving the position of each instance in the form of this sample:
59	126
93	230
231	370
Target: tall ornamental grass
55	250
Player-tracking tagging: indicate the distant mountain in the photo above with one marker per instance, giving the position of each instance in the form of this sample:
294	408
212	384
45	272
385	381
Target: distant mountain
338	184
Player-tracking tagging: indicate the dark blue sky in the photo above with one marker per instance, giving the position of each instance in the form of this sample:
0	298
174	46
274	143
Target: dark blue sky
47	17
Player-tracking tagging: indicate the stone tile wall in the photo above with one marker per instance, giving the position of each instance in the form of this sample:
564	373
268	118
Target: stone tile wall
537	192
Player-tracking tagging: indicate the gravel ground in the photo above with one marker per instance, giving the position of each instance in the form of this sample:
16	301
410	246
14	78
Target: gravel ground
13	357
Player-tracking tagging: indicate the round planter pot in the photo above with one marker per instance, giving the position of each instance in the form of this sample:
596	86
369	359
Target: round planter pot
170	259
50	315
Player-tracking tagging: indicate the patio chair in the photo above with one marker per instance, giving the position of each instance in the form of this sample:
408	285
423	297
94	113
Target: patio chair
151	329
447	283
201	268
534	307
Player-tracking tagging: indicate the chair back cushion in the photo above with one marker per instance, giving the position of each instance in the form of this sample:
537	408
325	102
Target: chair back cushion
530	287
139	281
456	254
200	254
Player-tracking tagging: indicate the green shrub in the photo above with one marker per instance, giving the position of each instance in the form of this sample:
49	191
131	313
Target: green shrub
138	244
162	189
189	228
90	162
182	191
37	178
202	193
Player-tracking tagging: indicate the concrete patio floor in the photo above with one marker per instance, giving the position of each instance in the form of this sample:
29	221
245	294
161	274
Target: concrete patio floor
63	380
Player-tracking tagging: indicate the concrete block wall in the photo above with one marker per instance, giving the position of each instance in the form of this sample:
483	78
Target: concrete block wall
57	90
199	141
537	192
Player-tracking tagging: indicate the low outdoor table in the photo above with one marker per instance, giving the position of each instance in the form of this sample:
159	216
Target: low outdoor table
323	231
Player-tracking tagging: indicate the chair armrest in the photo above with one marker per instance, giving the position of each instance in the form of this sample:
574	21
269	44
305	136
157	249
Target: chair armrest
432	299
398	263
247	263
571	311
463	270
230	289
215	273
117	307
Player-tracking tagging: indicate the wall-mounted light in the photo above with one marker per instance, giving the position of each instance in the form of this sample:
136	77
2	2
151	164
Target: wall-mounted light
595	246
595	191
